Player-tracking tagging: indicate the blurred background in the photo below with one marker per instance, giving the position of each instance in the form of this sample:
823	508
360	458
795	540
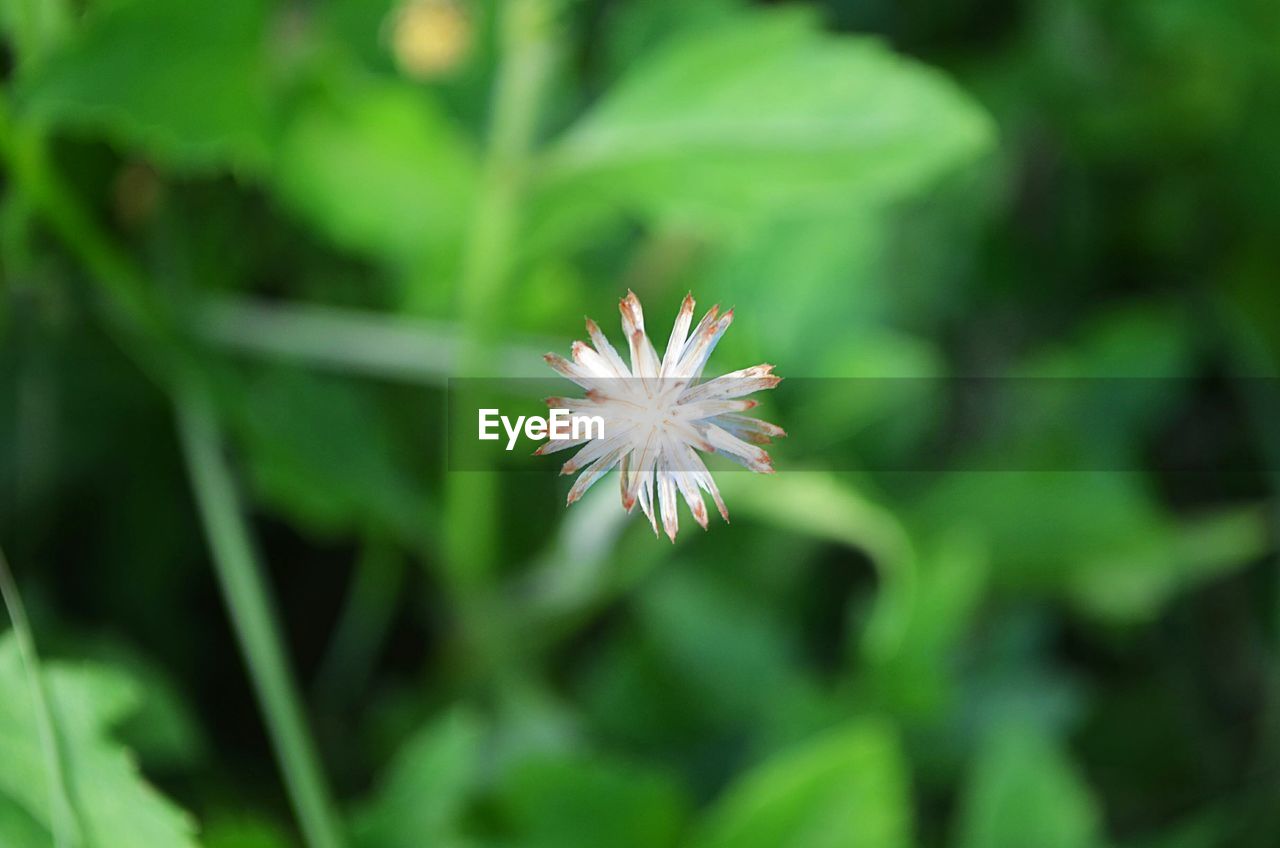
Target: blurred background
245	244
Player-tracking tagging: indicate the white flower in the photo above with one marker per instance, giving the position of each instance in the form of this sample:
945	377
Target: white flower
658	411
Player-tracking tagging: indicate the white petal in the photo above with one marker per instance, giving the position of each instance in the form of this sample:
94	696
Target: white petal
557	445
679	334
684	481
702	477
595	449
632	314
643	458
711	408
644	359
733	385
700	346
594	363
607	351
667	503
749	429
571	370
751	456
594	472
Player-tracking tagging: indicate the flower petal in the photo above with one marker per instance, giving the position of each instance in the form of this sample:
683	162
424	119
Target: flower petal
607	351
700	346
735	384
594	472
667	503
679	334
751	456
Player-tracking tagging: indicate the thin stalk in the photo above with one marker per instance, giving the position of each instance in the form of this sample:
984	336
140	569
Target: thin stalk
363	626
145	328
254	620
471	533
63	817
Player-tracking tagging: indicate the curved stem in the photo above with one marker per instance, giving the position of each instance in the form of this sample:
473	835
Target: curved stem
254	619
63	816
145	328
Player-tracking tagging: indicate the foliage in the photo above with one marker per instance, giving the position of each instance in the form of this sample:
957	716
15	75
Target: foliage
1051	625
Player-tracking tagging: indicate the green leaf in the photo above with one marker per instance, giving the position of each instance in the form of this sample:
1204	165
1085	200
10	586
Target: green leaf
1098	538
731	651
18	829
766	113
586	803
916	675
1024	790
35	25
421	798
183	81
320	450
377	167
117	808
829	507
844	789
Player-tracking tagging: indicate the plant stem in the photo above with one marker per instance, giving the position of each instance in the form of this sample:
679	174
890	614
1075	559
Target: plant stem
254	619
63	816
470	505
364	624
146	329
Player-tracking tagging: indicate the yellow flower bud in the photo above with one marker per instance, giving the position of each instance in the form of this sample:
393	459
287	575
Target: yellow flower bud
430	38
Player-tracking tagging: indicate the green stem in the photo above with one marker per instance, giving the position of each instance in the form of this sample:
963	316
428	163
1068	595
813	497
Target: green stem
145	327
470	504
63	816
254	620
363	626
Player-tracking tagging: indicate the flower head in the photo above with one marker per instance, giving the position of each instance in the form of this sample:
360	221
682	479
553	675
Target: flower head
659	413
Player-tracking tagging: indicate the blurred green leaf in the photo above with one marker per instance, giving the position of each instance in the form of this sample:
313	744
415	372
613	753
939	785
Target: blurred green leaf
767	113
1096	537
183	80
587	803
1024	791
729	648
35	25
18	829
808	278
377	167
847	788
163	729
117	808
421	798
1135	578
320	450
244	833
829	507
916	676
